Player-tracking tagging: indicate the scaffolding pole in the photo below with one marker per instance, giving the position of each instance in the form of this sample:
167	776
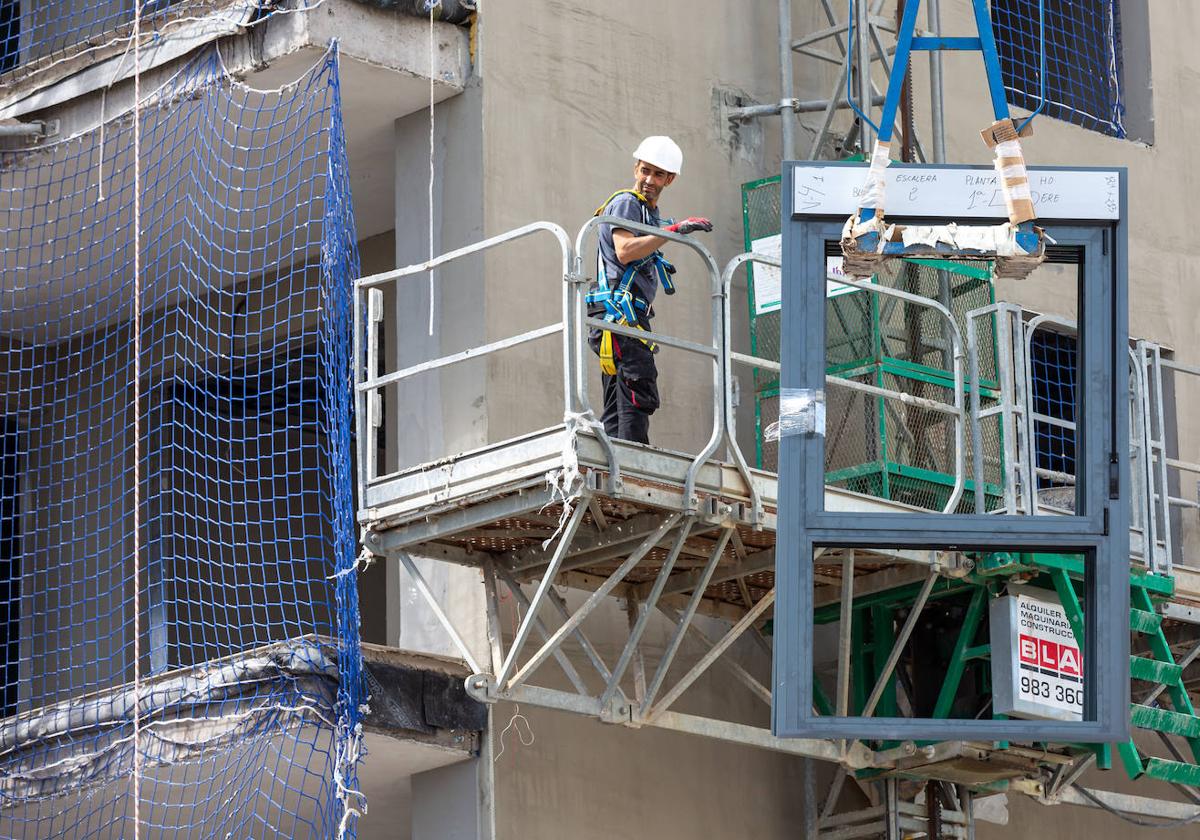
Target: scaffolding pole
937	123
787	113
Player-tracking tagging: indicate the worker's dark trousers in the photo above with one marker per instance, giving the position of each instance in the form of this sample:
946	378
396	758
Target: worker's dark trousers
631	396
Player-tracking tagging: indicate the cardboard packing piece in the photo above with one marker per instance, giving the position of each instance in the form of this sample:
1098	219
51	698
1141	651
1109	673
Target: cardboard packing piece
1003	136
1004	130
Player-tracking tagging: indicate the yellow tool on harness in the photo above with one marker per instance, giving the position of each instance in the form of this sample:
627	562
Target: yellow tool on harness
607	364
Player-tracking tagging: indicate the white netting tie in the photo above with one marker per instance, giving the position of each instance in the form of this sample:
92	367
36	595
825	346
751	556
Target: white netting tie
515	723
349	756
361	563
565	482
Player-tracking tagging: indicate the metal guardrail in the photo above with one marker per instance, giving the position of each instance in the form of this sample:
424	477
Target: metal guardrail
1139	466
574	326
957	410
1033	417
368	302
1009	407
1015	406
1168	476
1160	481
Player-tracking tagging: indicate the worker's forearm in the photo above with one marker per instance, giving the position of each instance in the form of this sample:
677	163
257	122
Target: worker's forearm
633	248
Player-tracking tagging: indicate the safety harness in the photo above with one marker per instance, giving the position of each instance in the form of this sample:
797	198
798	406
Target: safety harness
620	304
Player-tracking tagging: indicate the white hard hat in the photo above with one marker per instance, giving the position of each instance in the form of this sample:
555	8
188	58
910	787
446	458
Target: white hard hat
662	152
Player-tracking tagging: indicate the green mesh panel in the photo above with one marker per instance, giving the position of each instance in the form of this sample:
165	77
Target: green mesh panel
879	445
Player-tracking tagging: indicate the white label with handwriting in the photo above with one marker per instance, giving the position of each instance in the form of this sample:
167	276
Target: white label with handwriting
953	194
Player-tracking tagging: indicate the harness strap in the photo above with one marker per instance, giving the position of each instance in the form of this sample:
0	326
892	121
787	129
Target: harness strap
641	200
621	304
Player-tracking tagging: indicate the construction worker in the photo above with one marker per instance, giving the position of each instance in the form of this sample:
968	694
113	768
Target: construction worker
629	270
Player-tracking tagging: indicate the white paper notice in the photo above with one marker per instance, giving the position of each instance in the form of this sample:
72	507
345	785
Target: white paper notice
768	282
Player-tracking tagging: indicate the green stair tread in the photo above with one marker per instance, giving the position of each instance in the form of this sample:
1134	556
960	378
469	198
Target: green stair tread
1165	720
1159	586
1141	621
1173	771
1152	670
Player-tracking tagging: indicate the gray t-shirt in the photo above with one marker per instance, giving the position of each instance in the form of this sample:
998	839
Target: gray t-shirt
628	207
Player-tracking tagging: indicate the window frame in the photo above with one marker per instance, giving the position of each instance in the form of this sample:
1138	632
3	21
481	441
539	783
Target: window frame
1099	531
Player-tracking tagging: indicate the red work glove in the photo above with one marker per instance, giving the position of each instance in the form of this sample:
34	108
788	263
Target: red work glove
690	225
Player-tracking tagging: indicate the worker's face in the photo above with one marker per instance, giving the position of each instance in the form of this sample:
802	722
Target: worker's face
650	181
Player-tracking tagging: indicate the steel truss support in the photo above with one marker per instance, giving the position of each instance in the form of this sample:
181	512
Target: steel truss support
641	688
857	47
1124	803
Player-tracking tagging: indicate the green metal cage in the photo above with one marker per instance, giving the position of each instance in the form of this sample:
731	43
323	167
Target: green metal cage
881	445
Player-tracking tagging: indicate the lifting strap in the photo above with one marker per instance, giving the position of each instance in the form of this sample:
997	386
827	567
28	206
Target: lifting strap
620	304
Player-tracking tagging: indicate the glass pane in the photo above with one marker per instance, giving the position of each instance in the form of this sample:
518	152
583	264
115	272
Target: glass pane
1002	642
899	424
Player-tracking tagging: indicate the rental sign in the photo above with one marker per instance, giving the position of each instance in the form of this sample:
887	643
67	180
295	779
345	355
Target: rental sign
1037	666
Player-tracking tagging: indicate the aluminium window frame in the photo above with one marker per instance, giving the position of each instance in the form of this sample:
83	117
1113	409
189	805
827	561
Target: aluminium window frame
1099	531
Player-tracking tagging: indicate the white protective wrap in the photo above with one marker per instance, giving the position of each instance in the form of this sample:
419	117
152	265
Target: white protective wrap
989	239
801	411
875	188
1014	180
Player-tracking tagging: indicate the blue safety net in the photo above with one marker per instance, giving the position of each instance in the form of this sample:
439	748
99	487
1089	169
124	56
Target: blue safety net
1082	47
34	34
178	603
37	36
1053	366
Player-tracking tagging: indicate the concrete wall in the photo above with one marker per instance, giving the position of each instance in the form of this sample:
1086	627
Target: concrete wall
588	780
569	90
458	288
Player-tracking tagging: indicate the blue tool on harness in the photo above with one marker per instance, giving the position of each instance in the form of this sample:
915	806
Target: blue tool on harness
620	302
621	305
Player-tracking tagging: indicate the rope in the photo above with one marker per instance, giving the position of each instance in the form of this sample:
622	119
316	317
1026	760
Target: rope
1086	794
515	723
103	107
431	5
137	419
